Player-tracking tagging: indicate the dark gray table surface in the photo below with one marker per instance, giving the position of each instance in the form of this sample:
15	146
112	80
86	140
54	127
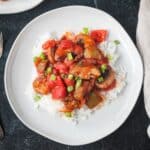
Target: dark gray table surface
130	136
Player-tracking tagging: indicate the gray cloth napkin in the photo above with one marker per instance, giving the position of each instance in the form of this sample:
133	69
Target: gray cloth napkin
143	43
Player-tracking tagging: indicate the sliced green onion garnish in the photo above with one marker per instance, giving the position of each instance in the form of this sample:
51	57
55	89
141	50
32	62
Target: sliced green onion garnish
70	76
100	79
116	42
35	58
78	83
42	56
110	57
68	114
69	56
37	97
103	68
85	30
70	88
48	70
53	77
76	78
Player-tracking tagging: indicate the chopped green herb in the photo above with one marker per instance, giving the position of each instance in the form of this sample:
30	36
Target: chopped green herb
53	77
100	79
110	57
70	88
48	70
85	30
70	76
69	56
76	78
37	97
103	68
68	114
35	58
78	83
116	42
42	56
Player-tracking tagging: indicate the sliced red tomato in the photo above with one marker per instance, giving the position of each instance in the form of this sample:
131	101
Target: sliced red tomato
64	47
53	83
49	44
61	67
98	35
55	71
66	44
59	81
78	49
69	82
59	92
61	53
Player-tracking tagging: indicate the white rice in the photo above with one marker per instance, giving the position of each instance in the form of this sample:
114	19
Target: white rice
52	106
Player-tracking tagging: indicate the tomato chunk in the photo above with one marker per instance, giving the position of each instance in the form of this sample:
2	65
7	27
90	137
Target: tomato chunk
59	92
61	67
66	44
57	82
69	82
55	71
49	44
51	84
78	49
98	35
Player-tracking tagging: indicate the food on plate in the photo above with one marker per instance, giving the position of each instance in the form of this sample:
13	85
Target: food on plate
75	70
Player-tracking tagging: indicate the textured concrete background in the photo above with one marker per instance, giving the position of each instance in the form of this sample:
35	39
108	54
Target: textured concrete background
130	136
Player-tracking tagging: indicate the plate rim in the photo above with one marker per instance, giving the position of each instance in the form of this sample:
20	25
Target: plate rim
20	11
9	58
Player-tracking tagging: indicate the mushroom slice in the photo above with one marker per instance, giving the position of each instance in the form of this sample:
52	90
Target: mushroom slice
94	99
108	80
85	72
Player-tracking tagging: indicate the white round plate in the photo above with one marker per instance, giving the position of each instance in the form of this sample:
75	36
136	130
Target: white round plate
16	6
18	72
